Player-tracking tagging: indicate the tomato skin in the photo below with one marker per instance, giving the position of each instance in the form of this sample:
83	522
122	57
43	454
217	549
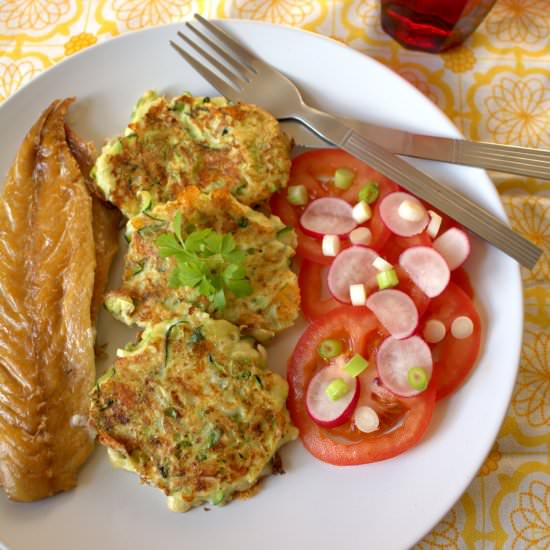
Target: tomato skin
310	281
421	301
460	278
396	245
306	169
363	334
453	359
315	307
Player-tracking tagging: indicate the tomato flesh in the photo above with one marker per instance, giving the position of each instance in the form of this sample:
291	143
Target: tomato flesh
311	280
315	304
312	169
460	278
453	358
403	420
396	245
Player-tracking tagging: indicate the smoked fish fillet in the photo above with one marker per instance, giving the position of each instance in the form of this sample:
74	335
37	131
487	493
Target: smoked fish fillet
106	219
47	264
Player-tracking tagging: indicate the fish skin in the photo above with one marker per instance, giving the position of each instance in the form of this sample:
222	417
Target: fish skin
47	264
106	219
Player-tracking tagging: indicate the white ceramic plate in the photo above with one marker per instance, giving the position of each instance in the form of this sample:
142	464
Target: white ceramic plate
388	505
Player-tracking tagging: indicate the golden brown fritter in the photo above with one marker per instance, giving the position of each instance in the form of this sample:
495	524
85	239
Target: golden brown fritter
192	410
146	295
210	143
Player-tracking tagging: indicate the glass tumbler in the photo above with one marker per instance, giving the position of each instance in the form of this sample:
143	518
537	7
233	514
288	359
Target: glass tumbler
432	25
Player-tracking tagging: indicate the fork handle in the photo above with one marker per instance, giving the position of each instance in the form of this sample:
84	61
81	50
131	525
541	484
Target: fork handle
445	198
511	159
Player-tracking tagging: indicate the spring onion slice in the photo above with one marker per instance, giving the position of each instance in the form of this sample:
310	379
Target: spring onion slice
369	193
337	389
387	279
356	365
343	178
330	348
417	378
297	195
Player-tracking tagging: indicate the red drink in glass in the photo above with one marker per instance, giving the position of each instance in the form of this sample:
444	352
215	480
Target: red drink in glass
432	25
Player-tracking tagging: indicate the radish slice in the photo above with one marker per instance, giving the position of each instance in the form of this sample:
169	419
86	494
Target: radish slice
396	357
389	211
427	268
395	310
328	216
323	410
351	267
454	246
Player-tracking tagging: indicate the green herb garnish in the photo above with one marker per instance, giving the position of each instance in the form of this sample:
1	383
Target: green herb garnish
207	261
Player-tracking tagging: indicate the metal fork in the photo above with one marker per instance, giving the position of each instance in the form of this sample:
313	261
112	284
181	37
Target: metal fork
251	80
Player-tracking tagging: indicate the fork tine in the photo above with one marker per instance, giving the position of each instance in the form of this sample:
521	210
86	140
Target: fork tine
243	69
220	85
246	56
214	62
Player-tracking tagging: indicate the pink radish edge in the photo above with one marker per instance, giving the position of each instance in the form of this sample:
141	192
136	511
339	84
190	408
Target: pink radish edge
396	357
395	310
454	246
389	212
352	266
427	268
323	410
327	216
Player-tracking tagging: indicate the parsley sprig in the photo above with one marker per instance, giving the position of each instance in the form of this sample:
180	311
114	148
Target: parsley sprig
207	261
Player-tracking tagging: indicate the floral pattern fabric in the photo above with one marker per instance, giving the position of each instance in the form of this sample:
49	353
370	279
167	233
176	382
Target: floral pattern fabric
495	87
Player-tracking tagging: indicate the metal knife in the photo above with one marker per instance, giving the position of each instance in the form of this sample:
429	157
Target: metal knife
511	159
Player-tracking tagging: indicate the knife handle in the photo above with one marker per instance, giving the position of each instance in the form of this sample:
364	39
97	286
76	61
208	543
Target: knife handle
445	198
504	158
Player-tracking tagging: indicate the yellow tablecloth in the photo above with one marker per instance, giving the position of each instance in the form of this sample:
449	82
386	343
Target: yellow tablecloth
495	87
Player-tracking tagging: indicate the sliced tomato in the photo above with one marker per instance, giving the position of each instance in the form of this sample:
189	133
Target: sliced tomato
396	244
462	279
317	302
453	358
391	252
403	421
312	280
313	169
420	299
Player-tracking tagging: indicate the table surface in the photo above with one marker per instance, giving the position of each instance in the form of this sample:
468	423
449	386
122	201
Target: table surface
495	87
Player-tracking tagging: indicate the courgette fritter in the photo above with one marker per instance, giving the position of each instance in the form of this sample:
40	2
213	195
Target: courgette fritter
211	143
147	296
192	410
